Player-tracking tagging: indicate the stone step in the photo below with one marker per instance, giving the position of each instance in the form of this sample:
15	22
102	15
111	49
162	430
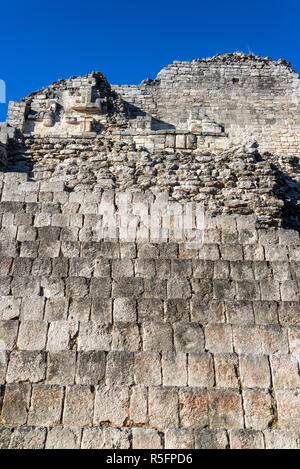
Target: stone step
51	246
38	308
99	333
94	366
69	437
156	407
129	267
148	288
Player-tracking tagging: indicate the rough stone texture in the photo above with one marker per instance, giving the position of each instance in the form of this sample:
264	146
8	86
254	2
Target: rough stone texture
128	317
200	144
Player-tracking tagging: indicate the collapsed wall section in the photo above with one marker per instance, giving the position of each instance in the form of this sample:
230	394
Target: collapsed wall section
112	337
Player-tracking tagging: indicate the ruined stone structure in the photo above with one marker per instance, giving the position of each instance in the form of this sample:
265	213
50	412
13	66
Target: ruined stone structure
150	260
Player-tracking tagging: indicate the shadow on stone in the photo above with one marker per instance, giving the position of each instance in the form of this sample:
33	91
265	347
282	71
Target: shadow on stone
287	189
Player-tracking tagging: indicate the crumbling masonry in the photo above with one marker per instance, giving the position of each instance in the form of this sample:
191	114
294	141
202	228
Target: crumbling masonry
150	260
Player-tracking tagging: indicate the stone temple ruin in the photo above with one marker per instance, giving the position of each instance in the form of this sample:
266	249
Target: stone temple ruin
150	260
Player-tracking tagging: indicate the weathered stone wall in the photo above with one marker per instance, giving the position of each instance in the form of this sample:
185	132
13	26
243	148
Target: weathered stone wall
223	131
246	94
190	340
150	260
237	181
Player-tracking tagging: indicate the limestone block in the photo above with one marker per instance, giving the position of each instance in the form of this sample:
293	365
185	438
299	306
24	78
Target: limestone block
46	404
170	141
28	437
61	335
274	253
247	339
56	309
138	405
207	311
180	141
225	408
193	408
124	310
270	290
94	336
274	339
179	438
163	407
32	308
281	271
289	312
70	249
281	439
78	287
163	268
41	267
21	267
145	268
265	312
259	412
211	439
294	340
188	337
9	307
106	438
289	290
239	312
223	289
111	405
78	406
8	334
174	369
253	252
126	336
226	370
5	283
29	249
122	268
147	368
255	371
231	252
246	439
32	335
49	248
157	337
285	372
5	436
128	250
218	338
5	265
200	369
81	267
178	288
61	367
127	287
15	404
119	368
150	310
168	250
177	310
63	438
249	290
146	438
90	367
102	268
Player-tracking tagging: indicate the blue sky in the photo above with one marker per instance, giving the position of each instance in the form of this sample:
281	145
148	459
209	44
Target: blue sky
129	41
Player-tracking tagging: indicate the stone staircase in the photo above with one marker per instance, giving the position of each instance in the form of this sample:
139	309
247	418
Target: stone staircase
108	343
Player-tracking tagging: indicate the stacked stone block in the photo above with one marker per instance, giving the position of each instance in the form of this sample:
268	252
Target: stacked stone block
108	343
249	95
